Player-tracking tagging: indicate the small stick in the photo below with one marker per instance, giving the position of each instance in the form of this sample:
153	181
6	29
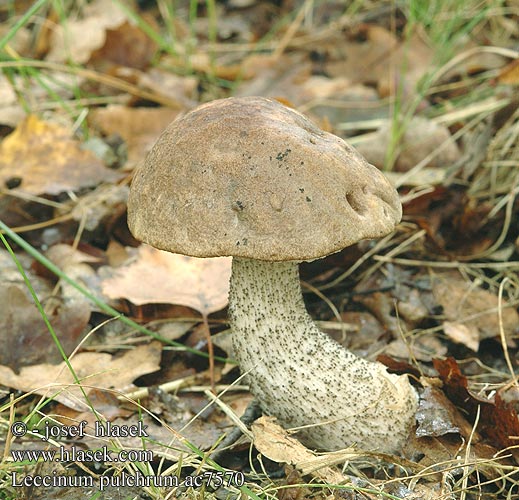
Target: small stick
252	413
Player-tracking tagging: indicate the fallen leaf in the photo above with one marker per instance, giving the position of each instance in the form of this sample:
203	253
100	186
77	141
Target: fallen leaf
125	45
421	137
67	256
423	348
23	333
364	328
437	416
449	455
76	39
98	207
156	277
498	421
400	367
411	307
427	176
341	101
446	213
467	335
139	127
271	440
76	265
24	336
164	438
105	403
48	160
473	308
96	370
22	88
373	54
182	89
275	76
381	305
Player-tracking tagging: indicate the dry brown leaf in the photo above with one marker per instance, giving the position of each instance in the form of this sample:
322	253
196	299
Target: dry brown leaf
476	309
462	334
48	160
24	337
364	329
375	57
76	39
448	453
20	89
139	127
157	277
76	265
498	422
437	416
412	308
105	403
65	255
273	441
382	306
275	77
95	370
427	176
163	439
182	89
98	207
422	137
423	348
126	45
340	101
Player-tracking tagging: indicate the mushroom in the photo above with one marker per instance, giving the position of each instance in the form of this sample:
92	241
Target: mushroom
253	179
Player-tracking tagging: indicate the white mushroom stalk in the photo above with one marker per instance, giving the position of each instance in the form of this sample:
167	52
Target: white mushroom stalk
302	376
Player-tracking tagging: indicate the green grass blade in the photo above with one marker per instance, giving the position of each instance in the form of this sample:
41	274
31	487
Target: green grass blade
99	303
44	316
21	22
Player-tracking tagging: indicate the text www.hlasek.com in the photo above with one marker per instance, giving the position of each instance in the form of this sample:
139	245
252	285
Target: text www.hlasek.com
74	454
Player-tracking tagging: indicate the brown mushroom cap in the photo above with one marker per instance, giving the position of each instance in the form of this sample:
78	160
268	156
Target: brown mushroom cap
249	177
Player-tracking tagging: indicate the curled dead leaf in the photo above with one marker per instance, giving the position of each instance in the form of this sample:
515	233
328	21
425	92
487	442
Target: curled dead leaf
273	441
498	421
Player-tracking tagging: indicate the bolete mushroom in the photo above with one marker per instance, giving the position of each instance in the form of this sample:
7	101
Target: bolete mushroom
251	178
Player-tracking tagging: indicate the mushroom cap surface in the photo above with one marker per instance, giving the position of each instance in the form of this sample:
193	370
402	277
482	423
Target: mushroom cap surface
250	177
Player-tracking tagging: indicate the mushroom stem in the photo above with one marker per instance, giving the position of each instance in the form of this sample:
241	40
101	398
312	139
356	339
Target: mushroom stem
302	376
